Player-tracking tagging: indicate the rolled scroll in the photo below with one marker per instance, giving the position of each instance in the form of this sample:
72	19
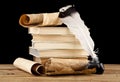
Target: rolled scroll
40	19
58	66
29	66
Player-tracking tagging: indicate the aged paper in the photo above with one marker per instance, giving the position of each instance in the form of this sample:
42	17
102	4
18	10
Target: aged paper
40	19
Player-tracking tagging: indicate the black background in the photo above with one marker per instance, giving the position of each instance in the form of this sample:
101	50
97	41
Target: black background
101	17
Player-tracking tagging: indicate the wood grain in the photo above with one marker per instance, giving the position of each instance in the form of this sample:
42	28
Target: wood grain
9	73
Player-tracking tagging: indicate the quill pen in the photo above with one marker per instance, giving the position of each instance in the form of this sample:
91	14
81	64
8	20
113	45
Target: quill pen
70	17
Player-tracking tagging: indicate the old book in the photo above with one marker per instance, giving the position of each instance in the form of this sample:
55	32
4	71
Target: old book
63	53
43	55
56	45
49	30
53	38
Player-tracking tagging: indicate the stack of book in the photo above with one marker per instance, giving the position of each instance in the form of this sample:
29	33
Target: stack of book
56	42
53	41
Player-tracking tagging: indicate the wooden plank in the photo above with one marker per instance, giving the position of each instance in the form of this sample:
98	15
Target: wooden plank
59	78
7	66
10	70
9	73
112	66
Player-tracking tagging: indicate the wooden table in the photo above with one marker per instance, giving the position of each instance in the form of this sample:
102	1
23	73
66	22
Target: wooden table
9	73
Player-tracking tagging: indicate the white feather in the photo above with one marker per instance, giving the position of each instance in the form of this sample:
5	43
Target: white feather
80	30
